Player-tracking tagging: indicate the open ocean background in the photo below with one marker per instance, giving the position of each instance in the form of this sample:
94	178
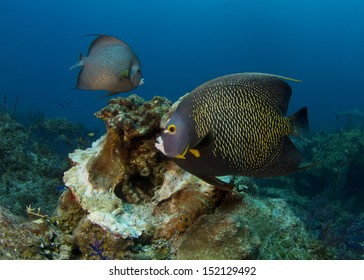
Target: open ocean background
182	44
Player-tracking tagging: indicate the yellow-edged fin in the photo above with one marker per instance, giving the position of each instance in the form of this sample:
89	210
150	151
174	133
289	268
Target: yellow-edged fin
182	156
195	152
125	73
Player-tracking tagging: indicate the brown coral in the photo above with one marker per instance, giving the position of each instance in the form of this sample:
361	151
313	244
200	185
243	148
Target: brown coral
128	162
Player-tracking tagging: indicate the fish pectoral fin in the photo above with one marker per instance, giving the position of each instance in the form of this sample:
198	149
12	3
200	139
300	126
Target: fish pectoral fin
203	142
183	155
180	157
125	73
212	180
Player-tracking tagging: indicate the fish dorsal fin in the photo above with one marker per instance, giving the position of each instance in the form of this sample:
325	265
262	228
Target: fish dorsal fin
102	41
274	87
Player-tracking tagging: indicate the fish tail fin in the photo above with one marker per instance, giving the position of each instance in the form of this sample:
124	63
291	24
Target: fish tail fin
79	62
299	121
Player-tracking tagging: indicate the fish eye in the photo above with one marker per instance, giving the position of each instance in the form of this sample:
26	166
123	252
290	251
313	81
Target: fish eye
172	128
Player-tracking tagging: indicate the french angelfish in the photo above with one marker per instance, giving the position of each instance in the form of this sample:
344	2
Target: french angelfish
235	125
111	65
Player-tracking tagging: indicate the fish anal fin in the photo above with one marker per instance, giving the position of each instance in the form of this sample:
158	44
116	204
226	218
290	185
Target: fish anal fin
287	162
217	183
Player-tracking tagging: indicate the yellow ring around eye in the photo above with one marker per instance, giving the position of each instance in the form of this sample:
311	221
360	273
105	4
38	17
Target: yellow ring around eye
172	129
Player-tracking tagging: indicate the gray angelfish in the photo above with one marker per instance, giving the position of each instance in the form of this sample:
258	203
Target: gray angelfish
111	65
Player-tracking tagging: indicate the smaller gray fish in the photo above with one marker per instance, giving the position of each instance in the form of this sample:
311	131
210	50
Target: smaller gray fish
110	65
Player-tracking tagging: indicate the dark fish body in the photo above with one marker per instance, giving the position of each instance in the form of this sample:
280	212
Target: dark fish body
110	65
235	125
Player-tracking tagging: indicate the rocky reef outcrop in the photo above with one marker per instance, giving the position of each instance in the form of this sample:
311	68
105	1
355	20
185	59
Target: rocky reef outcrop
125	200
128	197
247	228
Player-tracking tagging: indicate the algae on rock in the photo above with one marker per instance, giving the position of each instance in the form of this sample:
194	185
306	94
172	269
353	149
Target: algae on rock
247	228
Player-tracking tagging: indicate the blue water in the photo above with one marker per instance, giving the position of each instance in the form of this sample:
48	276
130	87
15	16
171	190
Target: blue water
182	44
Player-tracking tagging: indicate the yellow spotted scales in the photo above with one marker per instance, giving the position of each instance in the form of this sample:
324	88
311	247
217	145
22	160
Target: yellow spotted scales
247	126
235	125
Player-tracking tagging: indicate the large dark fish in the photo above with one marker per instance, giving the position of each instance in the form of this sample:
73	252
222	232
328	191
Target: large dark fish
235	125
110	65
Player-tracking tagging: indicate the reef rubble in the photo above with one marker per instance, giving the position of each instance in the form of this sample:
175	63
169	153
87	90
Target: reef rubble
33	240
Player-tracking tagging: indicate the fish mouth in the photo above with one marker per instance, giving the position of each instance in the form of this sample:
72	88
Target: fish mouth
159	145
